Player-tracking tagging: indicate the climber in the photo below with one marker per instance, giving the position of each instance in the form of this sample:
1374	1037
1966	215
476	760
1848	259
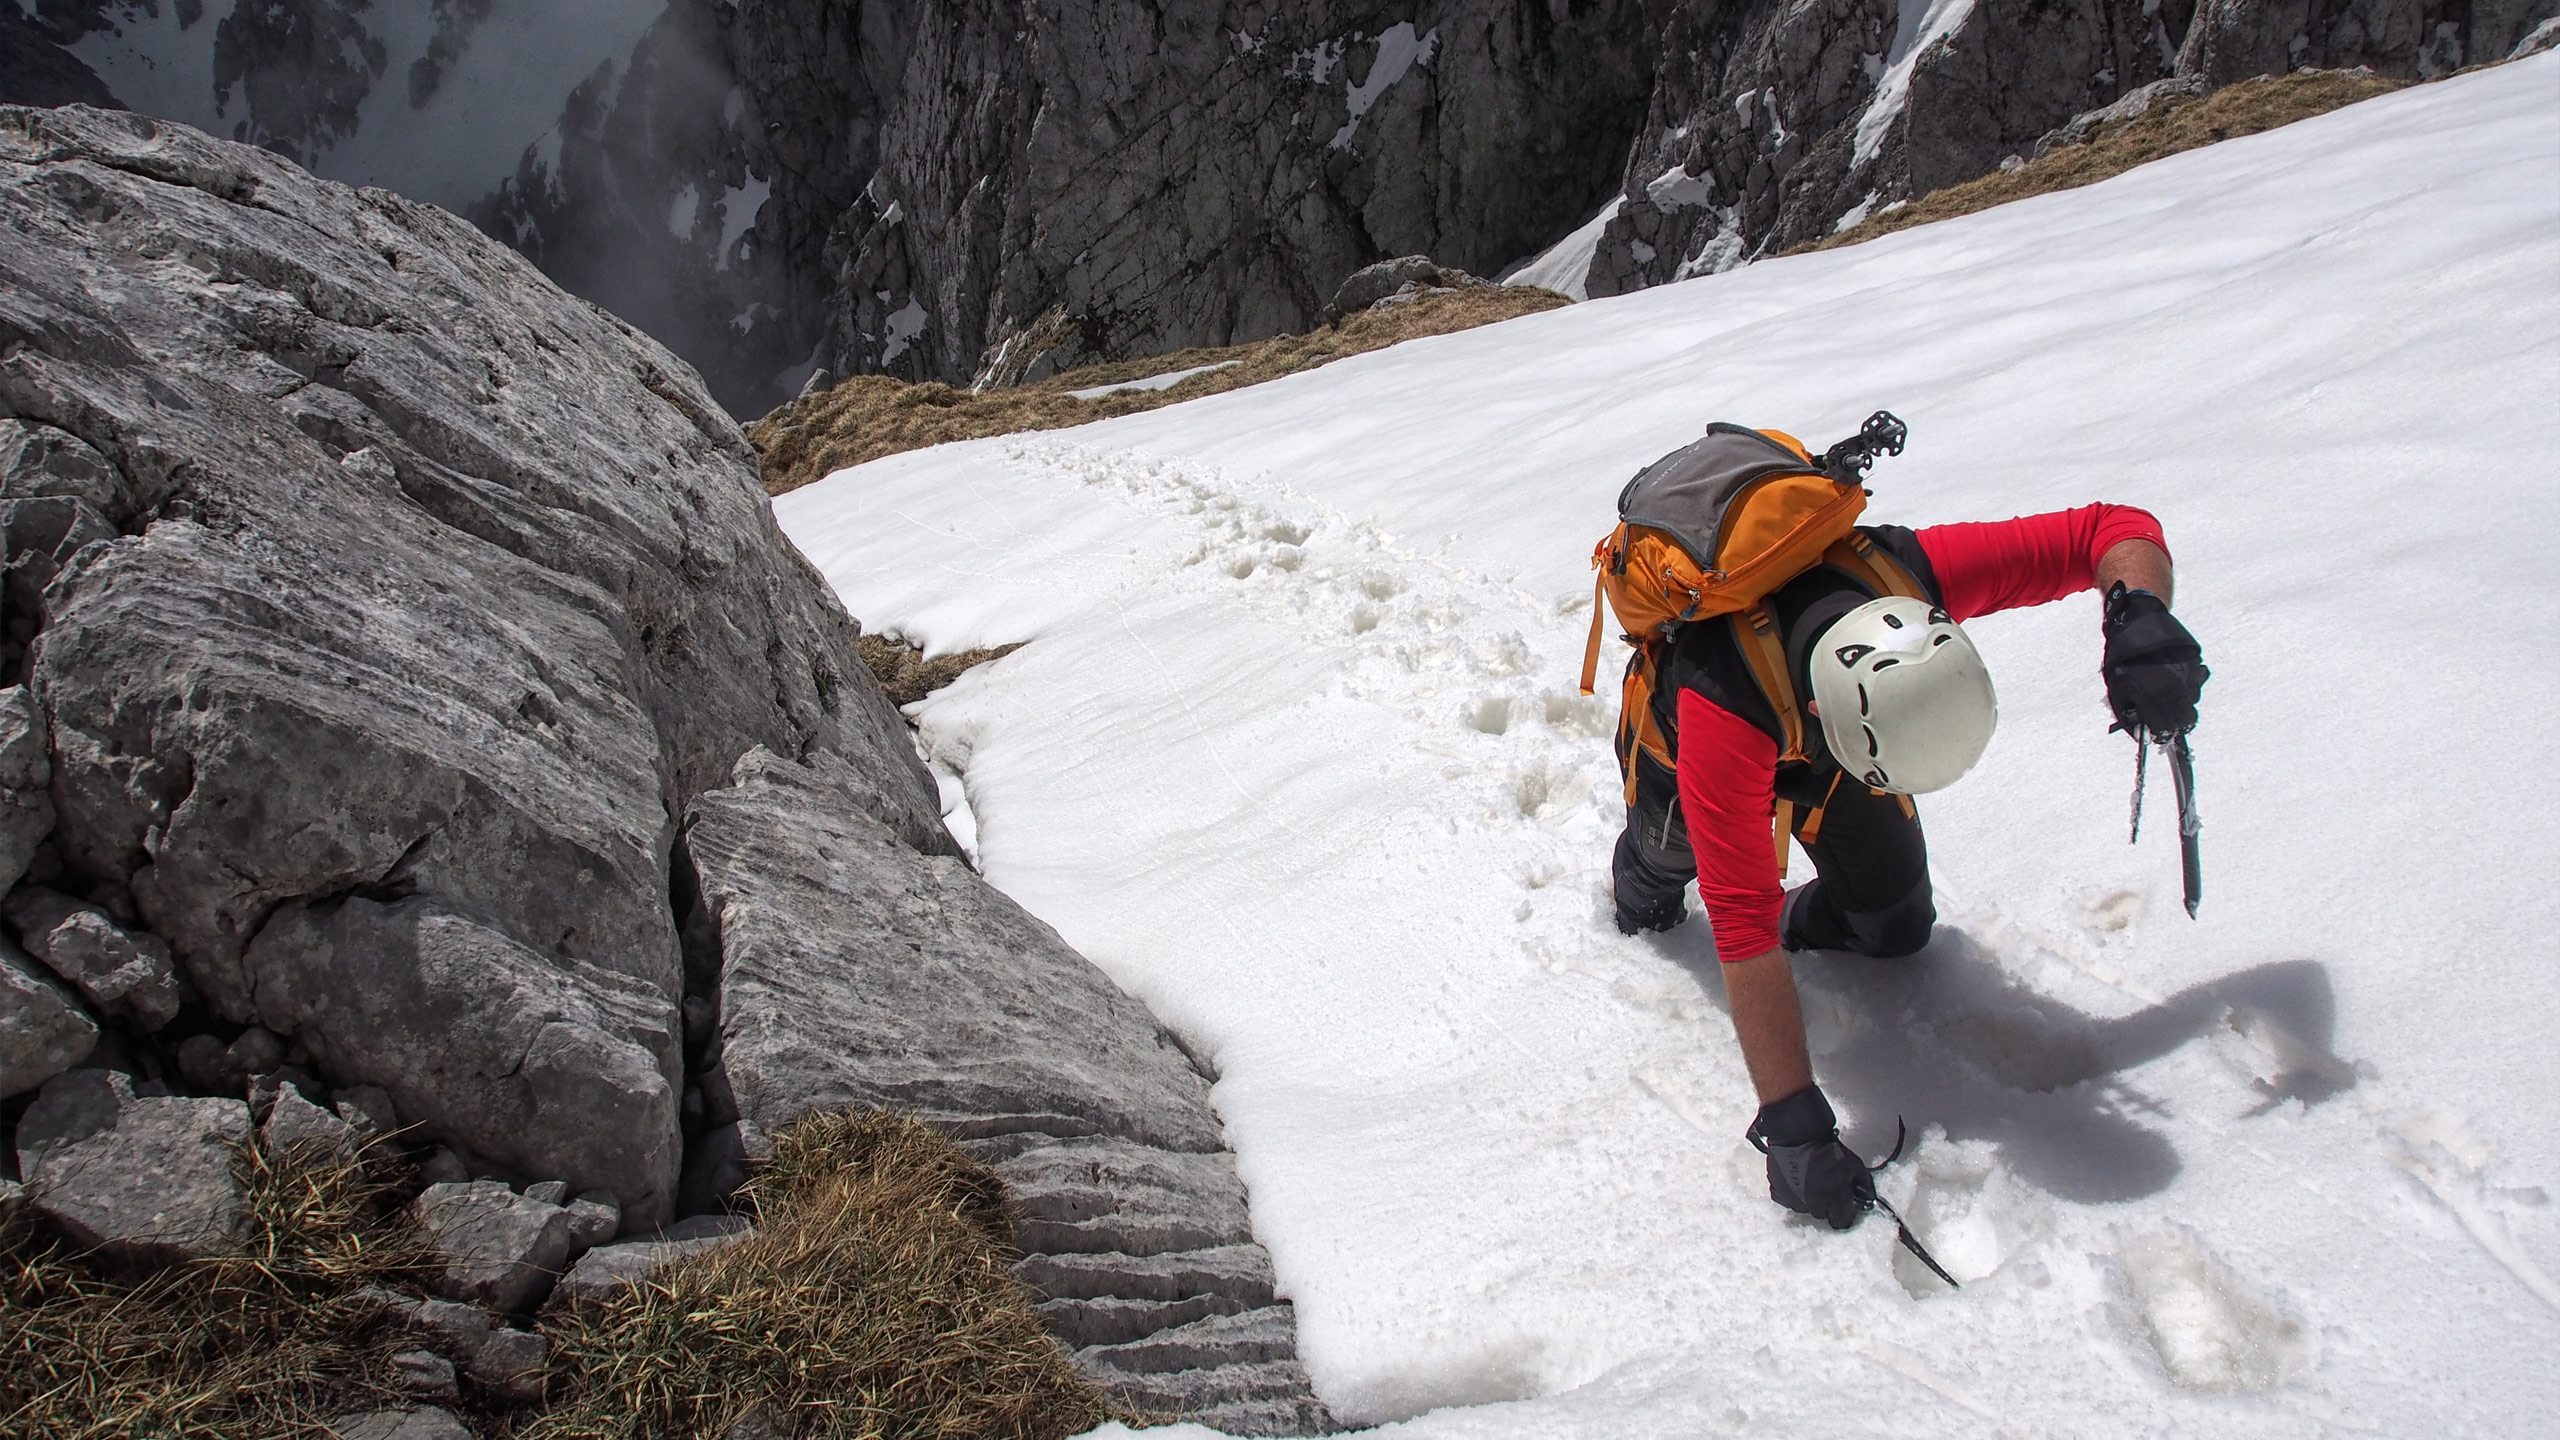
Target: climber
1797	600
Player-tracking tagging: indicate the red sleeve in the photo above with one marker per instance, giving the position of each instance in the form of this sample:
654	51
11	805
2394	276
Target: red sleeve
2003	564
1728	772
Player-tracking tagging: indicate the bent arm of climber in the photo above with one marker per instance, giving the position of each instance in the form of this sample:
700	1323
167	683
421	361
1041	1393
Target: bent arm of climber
1770	1024
2004	564
2140	564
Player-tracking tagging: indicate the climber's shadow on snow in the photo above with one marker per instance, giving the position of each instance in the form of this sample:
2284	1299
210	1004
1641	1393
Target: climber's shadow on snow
1949	1037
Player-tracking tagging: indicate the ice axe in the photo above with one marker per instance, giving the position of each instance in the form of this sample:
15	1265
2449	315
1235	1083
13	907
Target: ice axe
1901	1229
2182	774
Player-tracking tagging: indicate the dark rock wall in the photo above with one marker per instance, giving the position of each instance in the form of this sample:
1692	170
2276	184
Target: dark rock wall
963	192
1167	175
1751	145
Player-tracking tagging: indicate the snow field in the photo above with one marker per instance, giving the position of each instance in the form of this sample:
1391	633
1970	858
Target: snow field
1296	754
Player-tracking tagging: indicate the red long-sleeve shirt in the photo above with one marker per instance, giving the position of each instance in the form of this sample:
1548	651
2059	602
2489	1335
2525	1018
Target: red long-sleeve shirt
1728	765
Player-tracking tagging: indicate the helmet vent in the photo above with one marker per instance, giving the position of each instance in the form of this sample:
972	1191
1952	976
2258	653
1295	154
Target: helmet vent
1939	617
1864	709
1852	654
1873	749
1941	640
1886	664
1891	620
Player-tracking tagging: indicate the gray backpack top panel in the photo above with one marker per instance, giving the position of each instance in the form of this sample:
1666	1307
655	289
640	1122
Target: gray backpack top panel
1685	494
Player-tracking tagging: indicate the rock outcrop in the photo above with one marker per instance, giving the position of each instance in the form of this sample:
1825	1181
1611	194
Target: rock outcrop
404	608
419	600
139	1179
854	971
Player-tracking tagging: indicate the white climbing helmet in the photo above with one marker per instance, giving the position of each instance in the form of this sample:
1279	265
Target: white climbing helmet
1905	701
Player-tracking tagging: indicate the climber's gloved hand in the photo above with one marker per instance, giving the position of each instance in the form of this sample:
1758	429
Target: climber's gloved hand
1810	1171
2154	669
1664	916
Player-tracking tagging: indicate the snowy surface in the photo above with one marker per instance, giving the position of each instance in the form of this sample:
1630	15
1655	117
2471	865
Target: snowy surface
1166	381
1565	266
1295	753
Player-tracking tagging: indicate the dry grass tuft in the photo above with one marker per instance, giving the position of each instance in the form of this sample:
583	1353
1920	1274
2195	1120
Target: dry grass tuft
907	676
2245	108
257	1345
874	1300
871	415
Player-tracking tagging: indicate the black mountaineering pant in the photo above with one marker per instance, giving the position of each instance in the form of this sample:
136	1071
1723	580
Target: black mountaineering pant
1870	891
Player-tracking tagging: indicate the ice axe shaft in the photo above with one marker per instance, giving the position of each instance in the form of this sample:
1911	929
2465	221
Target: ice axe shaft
2182	771
2182	774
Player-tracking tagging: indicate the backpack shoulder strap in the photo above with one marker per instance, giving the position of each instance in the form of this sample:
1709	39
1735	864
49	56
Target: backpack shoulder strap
1765	650
1874	567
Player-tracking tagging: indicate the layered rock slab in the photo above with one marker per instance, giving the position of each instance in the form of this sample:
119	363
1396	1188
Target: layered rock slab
856	972
389	574
141	1179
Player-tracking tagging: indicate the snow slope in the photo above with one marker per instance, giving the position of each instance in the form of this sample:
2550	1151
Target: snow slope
1295	753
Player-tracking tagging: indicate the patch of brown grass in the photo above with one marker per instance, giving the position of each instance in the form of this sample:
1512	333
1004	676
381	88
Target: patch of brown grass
906	676
2245	108
870	416
875	1300
261	1344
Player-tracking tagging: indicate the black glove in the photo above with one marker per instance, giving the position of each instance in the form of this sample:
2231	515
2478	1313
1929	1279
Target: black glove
1810	1171
2154	669
1662	917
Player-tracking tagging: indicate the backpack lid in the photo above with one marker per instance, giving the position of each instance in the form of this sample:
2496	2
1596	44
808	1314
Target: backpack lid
1687	493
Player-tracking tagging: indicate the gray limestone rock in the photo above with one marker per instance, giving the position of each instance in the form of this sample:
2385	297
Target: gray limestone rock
2132	105
295	1126
545	1065
855	972
43	1029
258	1051
369	1109
507	1361
422	1423
512	1363
202	1064
549	1192
435	597
124	974
1236	1373
425	1374
1374	285
607	1269
493	1247
594	1218
26	778
142	1179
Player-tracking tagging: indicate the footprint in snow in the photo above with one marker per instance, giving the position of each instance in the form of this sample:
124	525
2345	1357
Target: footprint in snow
2208	1328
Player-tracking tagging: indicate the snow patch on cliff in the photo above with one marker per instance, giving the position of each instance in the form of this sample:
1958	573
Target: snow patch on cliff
1920	24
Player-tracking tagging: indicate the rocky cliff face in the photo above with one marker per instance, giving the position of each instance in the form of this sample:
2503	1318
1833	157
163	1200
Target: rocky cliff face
383	634
1772	125
953	192
1146	176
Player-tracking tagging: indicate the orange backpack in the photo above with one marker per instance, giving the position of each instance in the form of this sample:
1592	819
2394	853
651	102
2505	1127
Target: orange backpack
1714	528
